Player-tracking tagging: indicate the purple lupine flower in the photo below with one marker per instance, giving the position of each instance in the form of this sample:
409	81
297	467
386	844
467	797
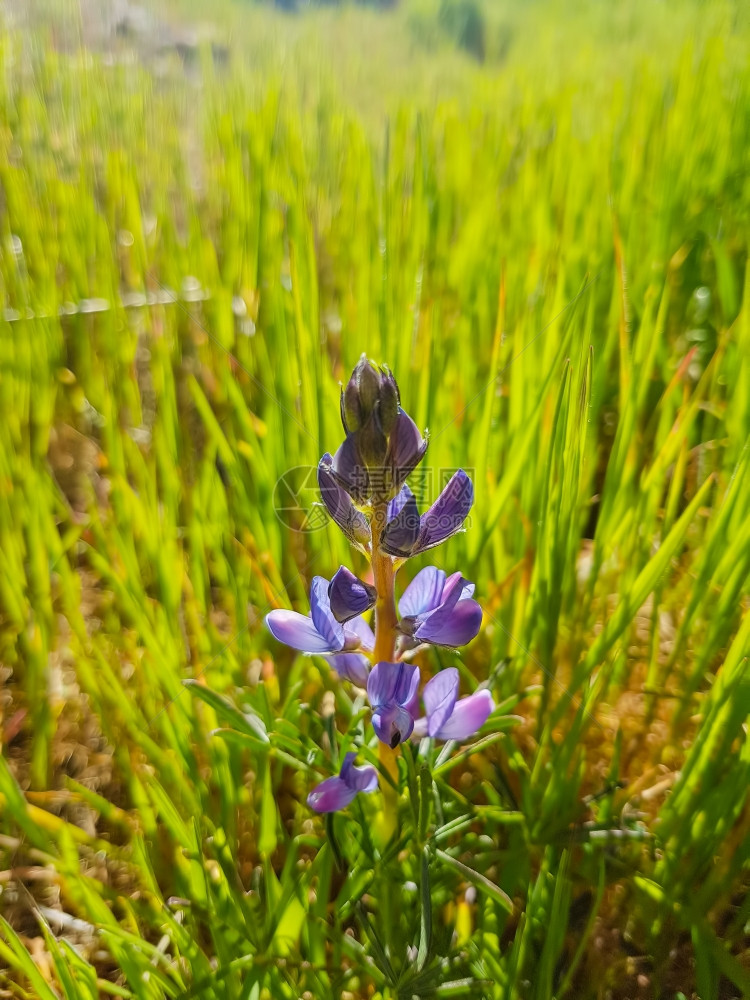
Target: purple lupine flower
319	632
392	690
407	534
383	445
447	718
337	792
439	609
339	505
349	596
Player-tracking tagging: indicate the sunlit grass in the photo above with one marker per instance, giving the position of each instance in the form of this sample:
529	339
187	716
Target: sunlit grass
551	254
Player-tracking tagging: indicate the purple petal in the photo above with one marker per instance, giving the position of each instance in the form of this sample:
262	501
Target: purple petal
339	505
297	631
469	715
406	448
381	684
439	697
401	533
349	596
322	616
447	514
392	683
452	591
331	795
423	593
362	779
352	667
396	505
392	724
349	471
407	688
358	633
450	626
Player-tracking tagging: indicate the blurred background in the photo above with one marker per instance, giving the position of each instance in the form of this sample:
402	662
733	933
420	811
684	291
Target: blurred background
537	214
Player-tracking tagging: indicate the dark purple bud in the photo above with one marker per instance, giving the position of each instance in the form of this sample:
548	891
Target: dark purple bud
349	596
351	413
349	470
389	400
372	445
368	385
339	505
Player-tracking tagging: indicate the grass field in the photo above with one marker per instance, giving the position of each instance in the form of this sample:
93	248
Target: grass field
549	247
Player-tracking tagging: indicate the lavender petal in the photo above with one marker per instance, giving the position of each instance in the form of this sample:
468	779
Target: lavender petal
297	631
423	593
331	795
322	616
363	779
468	716
439	697
451	626
352	667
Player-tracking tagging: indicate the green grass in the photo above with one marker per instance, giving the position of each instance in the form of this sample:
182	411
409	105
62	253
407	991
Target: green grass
551	252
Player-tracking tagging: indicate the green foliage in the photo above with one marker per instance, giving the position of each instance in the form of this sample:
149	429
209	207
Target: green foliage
463	21
552	256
